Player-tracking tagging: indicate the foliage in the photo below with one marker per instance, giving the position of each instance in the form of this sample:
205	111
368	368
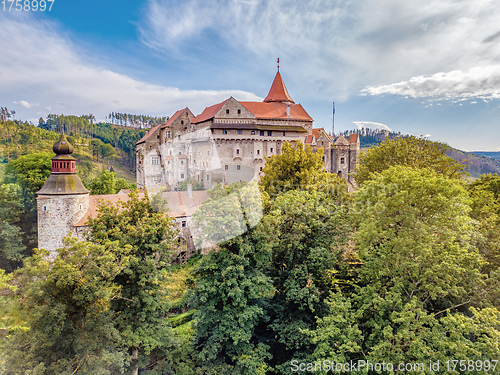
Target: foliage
11	209
68	303
230	211
226	326
411	152
141	310
30	171
195	185
107	183
306	233
413	302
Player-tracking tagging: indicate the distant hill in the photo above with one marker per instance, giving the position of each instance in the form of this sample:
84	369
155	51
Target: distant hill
477	162
490	154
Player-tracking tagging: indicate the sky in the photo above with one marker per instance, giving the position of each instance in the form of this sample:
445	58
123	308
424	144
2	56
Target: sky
429	68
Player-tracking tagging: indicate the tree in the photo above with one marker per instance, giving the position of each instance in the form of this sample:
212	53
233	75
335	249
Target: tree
411	152
141	311
107	183
232	293
414	301
306	233
296	168
68	308
195	185
30	171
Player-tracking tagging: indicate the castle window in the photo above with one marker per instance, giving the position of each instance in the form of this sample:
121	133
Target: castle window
179	153
168	133
224	131
208	152
80	207
227	111
155	160
237	151
182	162
258	152
283	134
272	149
260	169
182	122
226	167
239	111
44	208
342	160
262	132
240	131
323	157
253	132
182	175
269	133
184	223
238	167
208	177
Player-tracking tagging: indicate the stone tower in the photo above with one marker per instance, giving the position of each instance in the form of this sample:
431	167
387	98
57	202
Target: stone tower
62	201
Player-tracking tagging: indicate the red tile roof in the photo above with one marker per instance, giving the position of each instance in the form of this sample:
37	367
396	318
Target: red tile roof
148	134
353	138
208	113
276	111
172	119
278	91
309	139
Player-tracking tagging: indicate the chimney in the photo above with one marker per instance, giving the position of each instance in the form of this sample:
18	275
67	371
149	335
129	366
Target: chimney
190	190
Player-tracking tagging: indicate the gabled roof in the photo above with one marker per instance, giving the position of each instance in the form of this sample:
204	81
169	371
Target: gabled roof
278	91
208	112
149	134
353	138
341	141
309	139
173	118
277	111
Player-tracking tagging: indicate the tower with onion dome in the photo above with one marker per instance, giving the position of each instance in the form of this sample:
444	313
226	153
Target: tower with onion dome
62	201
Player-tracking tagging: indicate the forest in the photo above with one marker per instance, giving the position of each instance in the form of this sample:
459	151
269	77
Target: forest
404	270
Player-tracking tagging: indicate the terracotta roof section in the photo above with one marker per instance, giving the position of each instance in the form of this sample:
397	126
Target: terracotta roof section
353	138
309	139
208	113
94	201
179	203
278	91
173	118
271	111
148	134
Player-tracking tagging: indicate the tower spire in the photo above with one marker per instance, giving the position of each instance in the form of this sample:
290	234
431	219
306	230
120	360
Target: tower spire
278	64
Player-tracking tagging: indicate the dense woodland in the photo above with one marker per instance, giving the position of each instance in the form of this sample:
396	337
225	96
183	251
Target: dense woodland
403	270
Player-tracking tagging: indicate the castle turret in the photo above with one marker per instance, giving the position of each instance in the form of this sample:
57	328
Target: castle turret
62	201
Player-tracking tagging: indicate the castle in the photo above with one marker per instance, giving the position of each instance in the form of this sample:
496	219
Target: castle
229	141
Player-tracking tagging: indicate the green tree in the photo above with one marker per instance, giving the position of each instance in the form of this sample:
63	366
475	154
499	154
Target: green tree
107	183
418	280
67	303
195	185
11	209
232	293
296	168
142	308
30	171
411	152
306	233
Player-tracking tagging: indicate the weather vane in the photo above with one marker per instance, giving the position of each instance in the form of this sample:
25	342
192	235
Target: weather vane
278	64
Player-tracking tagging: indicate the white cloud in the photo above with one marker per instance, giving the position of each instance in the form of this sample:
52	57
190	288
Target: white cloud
42	67
24	103
335	47
371	125
478	82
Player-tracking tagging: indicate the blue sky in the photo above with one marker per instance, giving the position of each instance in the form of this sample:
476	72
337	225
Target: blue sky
421	67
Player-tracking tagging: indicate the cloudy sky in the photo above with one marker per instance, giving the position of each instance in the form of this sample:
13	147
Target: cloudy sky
421	67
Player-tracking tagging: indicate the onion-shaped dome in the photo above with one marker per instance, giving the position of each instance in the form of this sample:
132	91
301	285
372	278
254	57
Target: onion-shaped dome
63	147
